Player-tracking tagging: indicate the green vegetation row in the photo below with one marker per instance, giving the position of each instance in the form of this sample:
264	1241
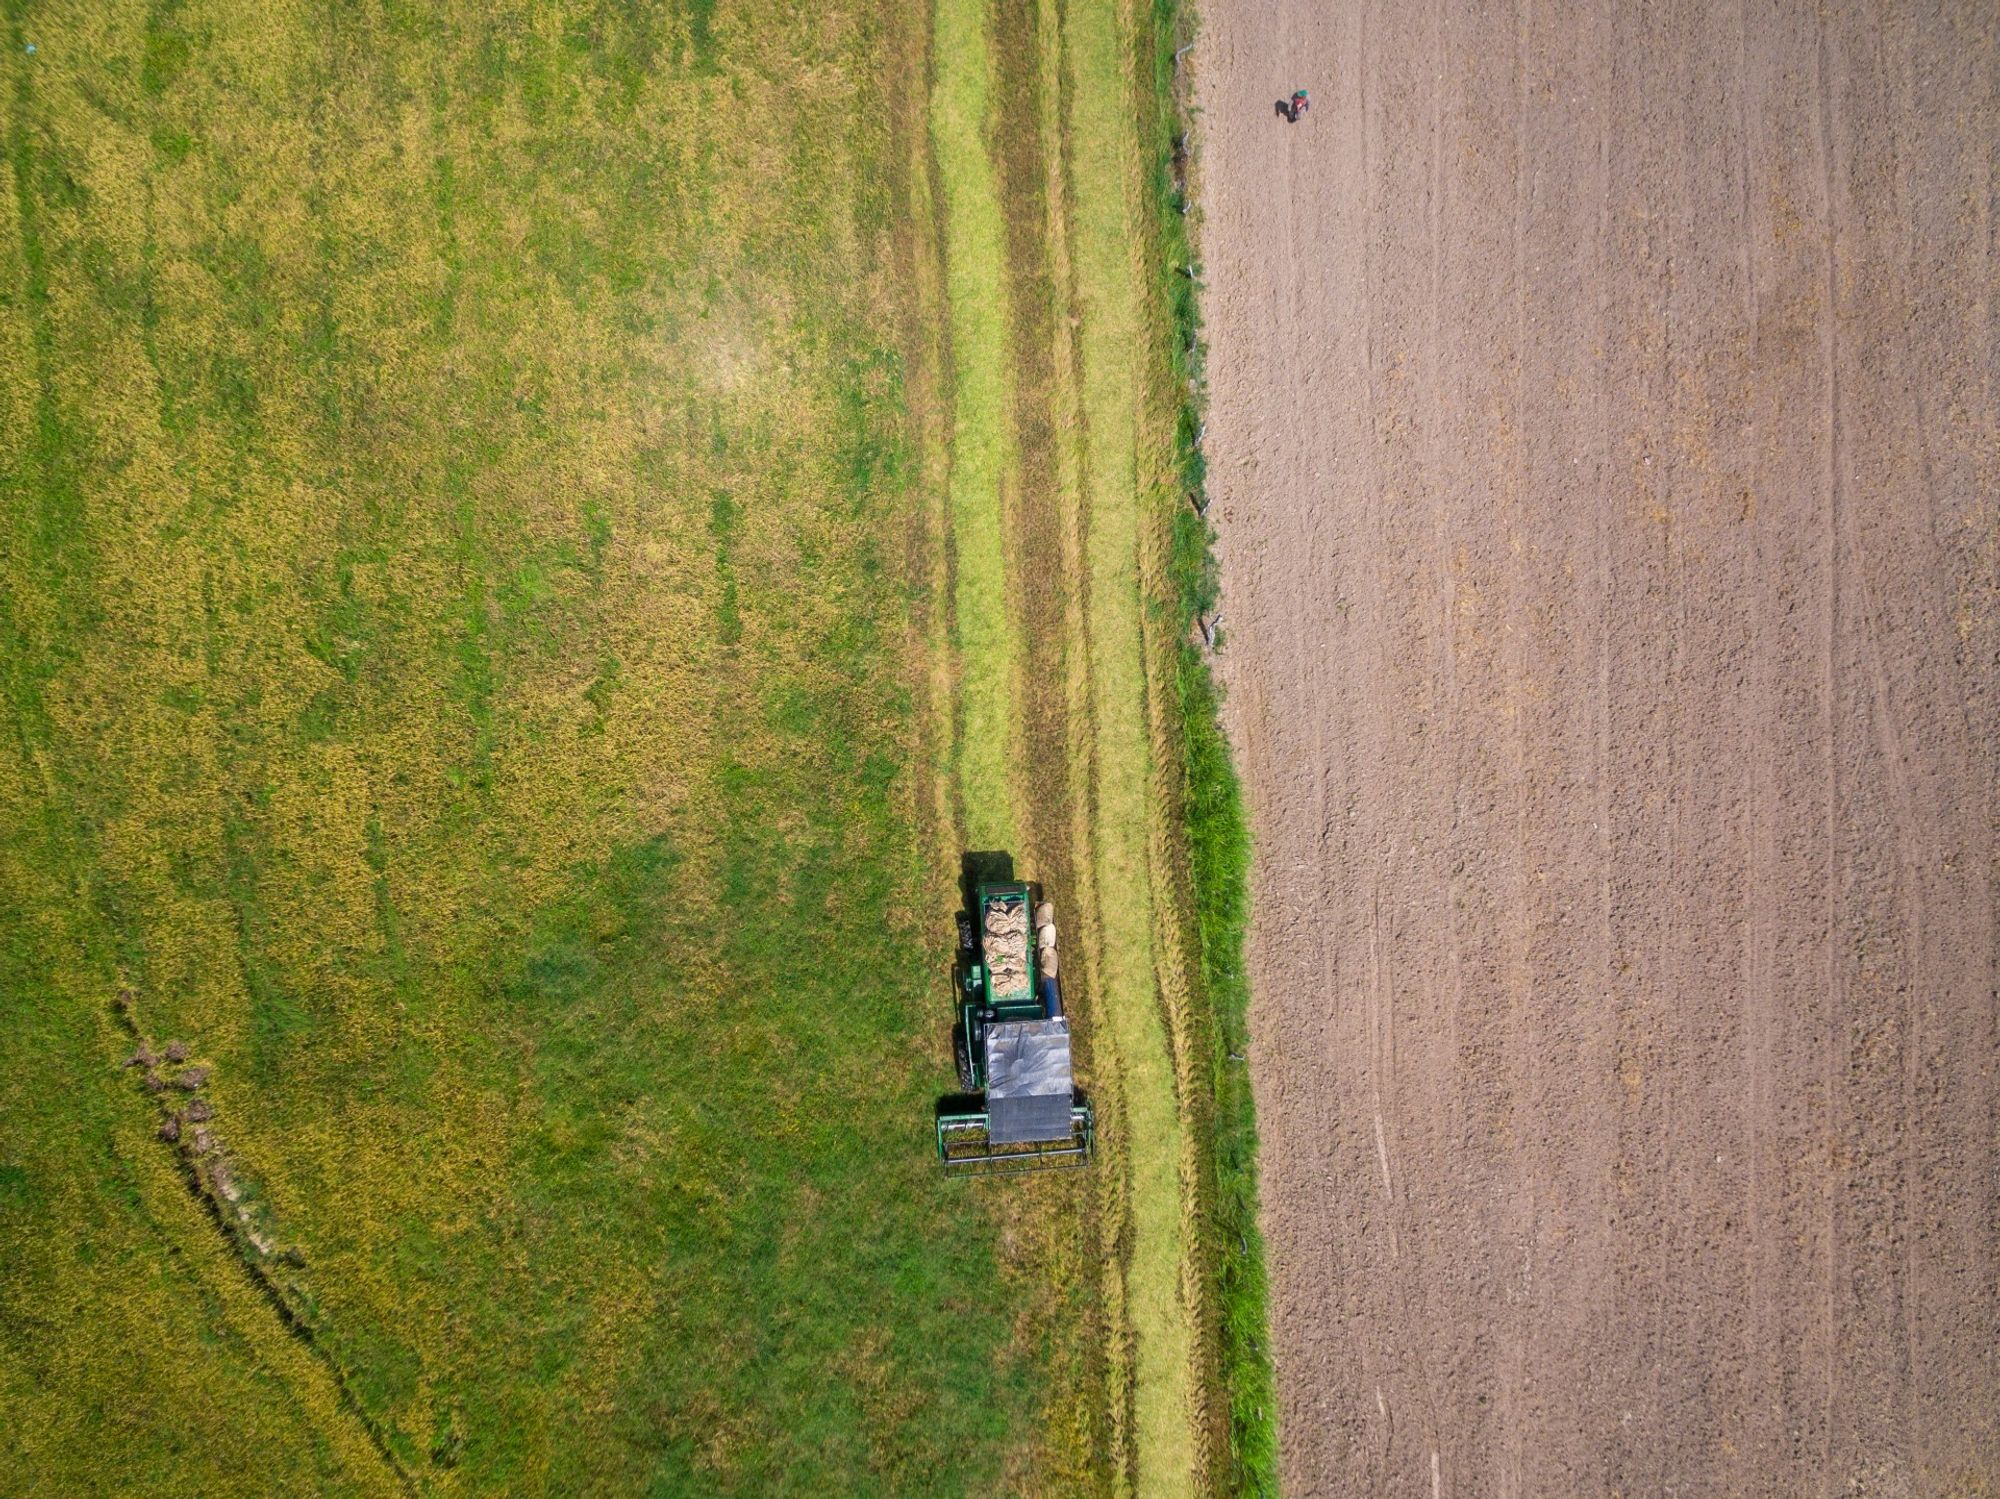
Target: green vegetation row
1217	831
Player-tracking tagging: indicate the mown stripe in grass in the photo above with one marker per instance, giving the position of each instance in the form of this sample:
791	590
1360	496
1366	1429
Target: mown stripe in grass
524	1341
1210	803
976	289
1168	1459
1042	513
1032	509
1065	823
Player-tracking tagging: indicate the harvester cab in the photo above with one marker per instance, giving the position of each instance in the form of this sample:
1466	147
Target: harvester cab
1020	1110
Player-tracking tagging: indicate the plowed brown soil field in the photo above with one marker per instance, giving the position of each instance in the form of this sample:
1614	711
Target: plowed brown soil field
1604	451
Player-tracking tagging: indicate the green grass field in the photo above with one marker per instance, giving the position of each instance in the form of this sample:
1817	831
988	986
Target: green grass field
489	497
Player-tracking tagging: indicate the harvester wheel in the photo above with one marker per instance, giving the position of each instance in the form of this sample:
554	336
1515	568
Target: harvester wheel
965	942
962	1054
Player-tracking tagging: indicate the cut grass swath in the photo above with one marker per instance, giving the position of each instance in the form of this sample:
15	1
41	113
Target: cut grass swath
456	672
976	289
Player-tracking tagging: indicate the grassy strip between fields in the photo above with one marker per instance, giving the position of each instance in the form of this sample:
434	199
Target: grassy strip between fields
1168	1461
1217	831
977	291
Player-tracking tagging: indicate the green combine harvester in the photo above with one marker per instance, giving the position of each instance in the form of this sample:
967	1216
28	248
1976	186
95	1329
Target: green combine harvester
1020	1110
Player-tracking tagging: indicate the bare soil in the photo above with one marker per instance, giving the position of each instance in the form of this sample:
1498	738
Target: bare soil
1604	450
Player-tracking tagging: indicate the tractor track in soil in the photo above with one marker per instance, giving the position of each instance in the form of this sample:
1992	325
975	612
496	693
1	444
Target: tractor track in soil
1603	447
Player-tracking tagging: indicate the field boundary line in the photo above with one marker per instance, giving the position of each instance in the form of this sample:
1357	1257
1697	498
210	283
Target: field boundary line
929	401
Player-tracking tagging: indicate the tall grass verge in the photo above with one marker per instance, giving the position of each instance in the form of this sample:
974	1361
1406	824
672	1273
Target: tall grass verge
1218	834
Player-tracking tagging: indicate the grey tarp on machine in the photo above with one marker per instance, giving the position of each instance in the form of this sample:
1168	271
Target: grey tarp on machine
1028	1085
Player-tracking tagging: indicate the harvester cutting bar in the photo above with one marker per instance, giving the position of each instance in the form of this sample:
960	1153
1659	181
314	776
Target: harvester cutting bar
966	1146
